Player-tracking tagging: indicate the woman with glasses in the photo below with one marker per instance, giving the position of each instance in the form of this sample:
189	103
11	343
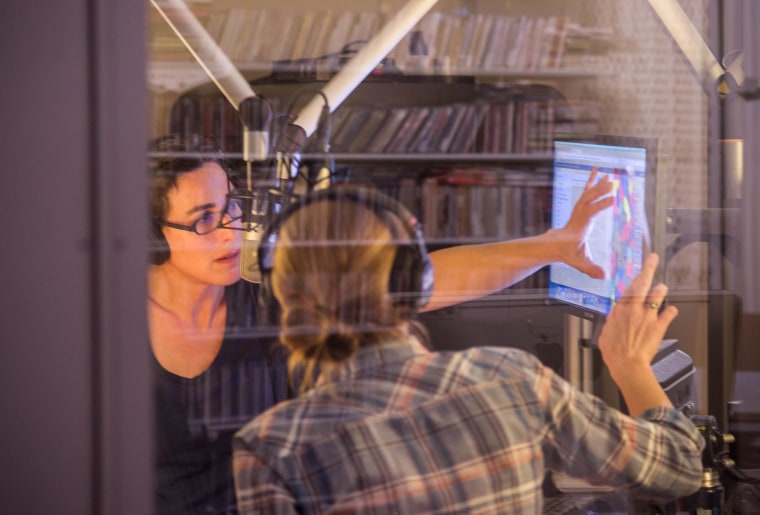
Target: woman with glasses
214	371
217	365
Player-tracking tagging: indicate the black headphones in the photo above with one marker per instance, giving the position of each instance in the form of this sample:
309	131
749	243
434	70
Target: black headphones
411	278
159	248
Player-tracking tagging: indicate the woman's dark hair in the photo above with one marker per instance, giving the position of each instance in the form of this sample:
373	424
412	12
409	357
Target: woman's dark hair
169	157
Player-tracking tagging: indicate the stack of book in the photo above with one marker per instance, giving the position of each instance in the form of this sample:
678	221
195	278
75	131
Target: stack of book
509	125
451	42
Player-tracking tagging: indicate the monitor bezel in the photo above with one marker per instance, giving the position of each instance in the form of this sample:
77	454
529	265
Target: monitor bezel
650	203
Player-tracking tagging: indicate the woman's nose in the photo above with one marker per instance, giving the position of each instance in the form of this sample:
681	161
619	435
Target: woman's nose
228	234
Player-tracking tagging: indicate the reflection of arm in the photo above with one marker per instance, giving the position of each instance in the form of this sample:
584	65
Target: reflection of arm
258	489
471	271
657	454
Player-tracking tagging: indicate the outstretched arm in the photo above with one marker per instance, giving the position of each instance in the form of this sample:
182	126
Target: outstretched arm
471	271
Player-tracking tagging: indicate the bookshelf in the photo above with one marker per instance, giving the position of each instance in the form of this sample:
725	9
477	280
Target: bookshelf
457	122
452	39
463	192
619	73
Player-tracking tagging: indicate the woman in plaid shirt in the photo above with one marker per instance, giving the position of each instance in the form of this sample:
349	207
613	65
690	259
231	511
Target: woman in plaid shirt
385	426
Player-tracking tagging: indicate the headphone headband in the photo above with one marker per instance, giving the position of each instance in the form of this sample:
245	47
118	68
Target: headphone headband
411	278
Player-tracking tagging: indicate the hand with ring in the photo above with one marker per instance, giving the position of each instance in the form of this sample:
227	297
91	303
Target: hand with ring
635	327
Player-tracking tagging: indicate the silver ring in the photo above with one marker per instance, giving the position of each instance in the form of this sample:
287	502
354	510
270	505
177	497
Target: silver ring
654	305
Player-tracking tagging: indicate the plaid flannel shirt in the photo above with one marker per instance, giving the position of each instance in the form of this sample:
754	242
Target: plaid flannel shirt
405	430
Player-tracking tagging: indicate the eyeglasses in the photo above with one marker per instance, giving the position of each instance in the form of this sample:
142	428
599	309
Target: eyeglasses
212	220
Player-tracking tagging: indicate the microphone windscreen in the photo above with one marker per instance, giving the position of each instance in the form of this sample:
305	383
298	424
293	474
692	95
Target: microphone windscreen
249	261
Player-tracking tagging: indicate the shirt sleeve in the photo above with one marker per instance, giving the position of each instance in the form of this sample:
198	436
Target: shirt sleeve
657	455
259	490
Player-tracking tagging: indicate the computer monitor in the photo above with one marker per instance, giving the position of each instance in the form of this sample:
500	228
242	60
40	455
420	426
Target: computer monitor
619	237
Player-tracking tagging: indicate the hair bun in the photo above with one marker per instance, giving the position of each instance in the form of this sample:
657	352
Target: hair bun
314	332
341	344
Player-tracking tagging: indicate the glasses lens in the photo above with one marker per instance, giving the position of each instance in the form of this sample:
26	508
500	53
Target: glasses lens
233	212
235	209
208	222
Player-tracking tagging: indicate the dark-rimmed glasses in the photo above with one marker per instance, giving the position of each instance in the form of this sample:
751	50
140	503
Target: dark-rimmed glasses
212	220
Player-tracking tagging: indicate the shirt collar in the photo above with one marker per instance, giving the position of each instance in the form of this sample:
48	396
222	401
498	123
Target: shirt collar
379	355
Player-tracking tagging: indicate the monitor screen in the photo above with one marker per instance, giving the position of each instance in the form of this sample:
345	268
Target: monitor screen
618	236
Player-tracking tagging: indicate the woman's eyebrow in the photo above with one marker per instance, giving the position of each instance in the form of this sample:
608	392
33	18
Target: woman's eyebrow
202	207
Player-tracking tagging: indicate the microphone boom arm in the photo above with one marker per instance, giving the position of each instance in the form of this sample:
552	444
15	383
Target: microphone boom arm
235	88
358	67
253	110
205	50
709	72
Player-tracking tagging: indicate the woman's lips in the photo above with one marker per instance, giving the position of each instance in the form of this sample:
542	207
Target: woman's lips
229	258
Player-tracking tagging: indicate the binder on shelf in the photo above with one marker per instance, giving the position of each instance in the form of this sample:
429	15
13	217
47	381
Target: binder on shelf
340	32
252	39
286	37
373	124
467	134
429	132
300	49
491	140
393	121
406	132
320	31
482	29
453	124
355	119
508	124
493	54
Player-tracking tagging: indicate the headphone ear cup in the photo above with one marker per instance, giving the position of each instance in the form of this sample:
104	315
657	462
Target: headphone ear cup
402	281
410	279
266	296
159	248
269	309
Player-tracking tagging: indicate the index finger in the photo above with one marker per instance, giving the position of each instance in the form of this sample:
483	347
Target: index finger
592	177
593	191
641	284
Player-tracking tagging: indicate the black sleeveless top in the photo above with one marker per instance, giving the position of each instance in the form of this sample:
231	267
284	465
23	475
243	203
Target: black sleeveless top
197	418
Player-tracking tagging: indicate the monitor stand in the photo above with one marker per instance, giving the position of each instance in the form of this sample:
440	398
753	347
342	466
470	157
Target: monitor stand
576	331
583	363
584	369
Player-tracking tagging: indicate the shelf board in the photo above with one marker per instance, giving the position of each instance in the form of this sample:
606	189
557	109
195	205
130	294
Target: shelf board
531	75
539	158
459	157
180	76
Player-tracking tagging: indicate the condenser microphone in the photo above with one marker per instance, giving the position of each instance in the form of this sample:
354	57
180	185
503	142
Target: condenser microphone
260	205
249	266
256	115
264	197
254	218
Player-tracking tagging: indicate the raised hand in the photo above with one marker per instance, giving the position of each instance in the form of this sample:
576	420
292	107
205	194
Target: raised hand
635	327
632	335
572	238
